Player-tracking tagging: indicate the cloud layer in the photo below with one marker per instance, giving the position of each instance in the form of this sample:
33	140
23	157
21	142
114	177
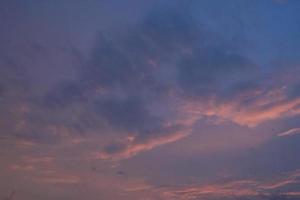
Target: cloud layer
150	83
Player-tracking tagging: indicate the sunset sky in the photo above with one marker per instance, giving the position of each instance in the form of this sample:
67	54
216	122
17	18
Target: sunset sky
149	99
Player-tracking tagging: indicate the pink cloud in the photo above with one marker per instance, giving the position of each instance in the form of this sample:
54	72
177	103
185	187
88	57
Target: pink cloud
134	147
266	106
293	131
237	188
63	179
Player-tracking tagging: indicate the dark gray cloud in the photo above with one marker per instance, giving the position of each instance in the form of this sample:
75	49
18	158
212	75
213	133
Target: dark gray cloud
129	70
213	70
142	60
127	114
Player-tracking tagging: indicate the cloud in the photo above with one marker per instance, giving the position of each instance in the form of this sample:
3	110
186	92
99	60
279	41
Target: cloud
138	143
119	88
22	167
69	118
59	180
165	72
293	131
127	114
237	189
249	108
165	59
213	71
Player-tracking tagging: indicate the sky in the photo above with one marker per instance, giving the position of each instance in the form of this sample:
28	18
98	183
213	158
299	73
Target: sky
149	100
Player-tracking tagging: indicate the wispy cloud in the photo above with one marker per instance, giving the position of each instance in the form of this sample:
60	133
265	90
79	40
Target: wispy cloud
234	189
134	146
292	131
63	179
